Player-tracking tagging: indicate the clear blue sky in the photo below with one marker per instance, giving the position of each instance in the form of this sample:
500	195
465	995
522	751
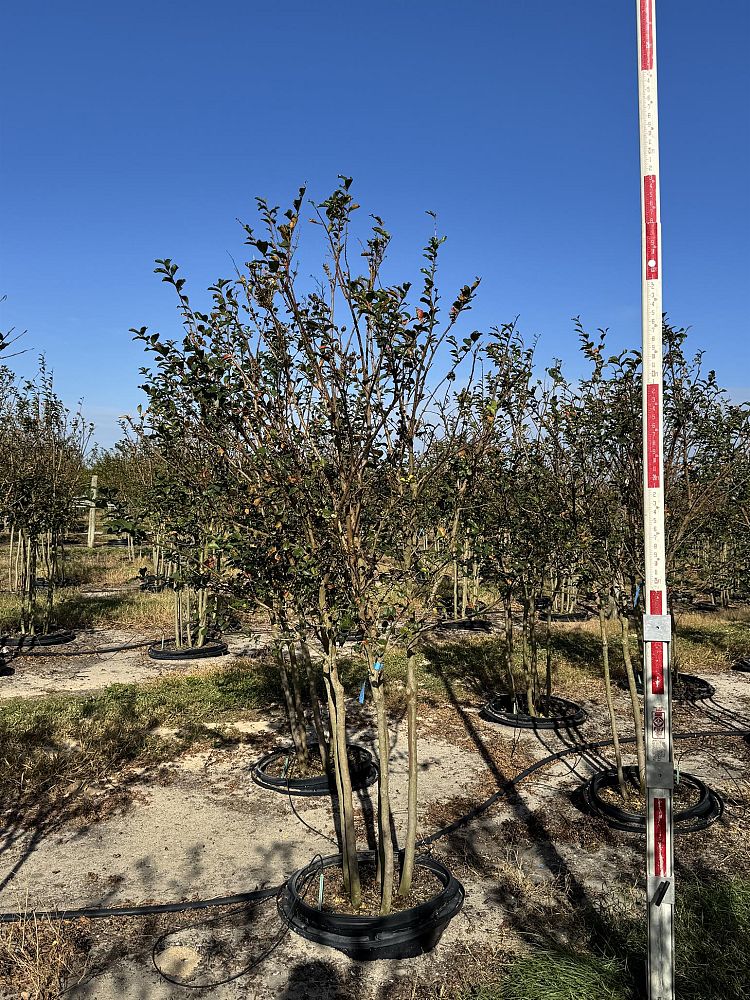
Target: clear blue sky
139	130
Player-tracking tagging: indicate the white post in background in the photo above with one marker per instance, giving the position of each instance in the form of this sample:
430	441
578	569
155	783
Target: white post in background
92	513
656	625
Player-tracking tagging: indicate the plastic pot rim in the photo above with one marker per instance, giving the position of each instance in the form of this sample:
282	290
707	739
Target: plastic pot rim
55	638
704	812
573	714
408	932
211	647
363	775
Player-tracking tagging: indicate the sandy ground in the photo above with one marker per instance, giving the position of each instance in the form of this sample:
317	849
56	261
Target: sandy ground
64	670
199	827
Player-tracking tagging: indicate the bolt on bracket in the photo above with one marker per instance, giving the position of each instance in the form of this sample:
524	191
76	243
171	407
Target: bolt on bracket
657	628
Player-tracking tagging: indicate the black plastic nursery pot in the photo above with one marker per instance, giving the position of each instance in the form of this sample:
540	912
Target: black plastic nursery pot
706	809
168	650
21	642
466	625
688	687
566	616
362	769
742	665
404	934
508	710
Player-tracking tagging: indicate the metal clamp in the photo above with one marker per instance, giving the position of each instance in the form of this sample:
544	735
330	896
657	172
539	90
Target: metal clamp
660	890
657	628
659	774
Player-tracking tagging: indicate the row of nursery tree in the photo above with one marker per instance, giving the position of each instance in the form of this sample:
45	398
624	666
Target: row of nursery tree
43	462
348	454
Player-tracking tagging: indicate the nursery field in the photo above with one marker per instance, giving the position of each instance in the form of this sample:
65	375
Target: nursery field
127	781
327	678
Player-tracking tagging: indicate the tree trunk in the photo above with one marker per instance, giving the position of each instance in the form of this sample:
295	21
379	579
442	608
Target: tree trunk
337	712
608	693
385	846
634	701
293	708
407	869
548	655
320	730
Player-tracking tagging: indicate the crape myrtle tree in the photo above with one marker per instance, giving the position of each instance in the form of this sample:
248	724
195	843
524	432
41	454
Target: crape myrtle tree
705	438
602	437
42	461
326	401
523	513
706	474
125	481
188	498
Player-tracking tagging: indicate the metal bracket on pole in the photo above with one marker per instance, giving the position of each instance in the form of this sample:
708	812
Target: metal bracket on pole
657	628
659	774
660	890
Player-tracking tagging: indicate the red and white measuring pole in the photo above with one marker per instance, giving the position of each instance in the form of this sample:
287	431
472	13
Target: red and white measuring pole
656	622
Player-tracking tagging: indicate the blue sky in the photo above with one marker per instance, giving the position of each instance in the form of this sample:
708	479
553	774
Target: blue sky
142	130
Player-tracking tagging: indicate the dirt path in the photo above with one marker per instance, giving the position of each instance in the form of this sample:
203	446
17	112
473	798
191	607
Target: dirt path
66	669
199	827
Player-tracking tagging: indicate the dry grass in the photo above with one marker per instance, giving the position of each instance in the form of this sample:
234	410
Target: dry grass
40	958
102	591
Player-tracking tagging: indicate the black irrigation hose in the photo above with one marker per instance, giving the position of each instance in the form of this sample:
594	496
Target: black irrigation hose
90	652
148	909
94	912
285	928
551	758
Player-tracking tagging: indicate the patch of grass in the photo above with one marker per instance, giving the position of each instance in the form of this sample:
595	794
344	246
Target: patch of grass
214	693
713	931
41	958
712	959
55	749
559	976
706	642
476	664
74	609
104	567
353	671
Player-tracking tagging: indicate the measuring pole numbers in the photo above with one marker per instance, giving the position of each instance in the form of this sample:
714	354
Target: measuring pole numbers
656	623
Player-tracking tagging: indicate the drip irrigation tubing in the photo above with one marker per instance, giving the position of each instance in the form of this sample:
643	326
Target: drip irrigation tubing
559	755
148	909
256	895
213	984
42	651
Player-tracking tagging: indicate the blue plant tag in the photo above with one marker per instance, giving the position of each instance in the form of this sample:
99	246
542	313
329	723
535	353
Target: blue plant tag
637	595
377	666
362	693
